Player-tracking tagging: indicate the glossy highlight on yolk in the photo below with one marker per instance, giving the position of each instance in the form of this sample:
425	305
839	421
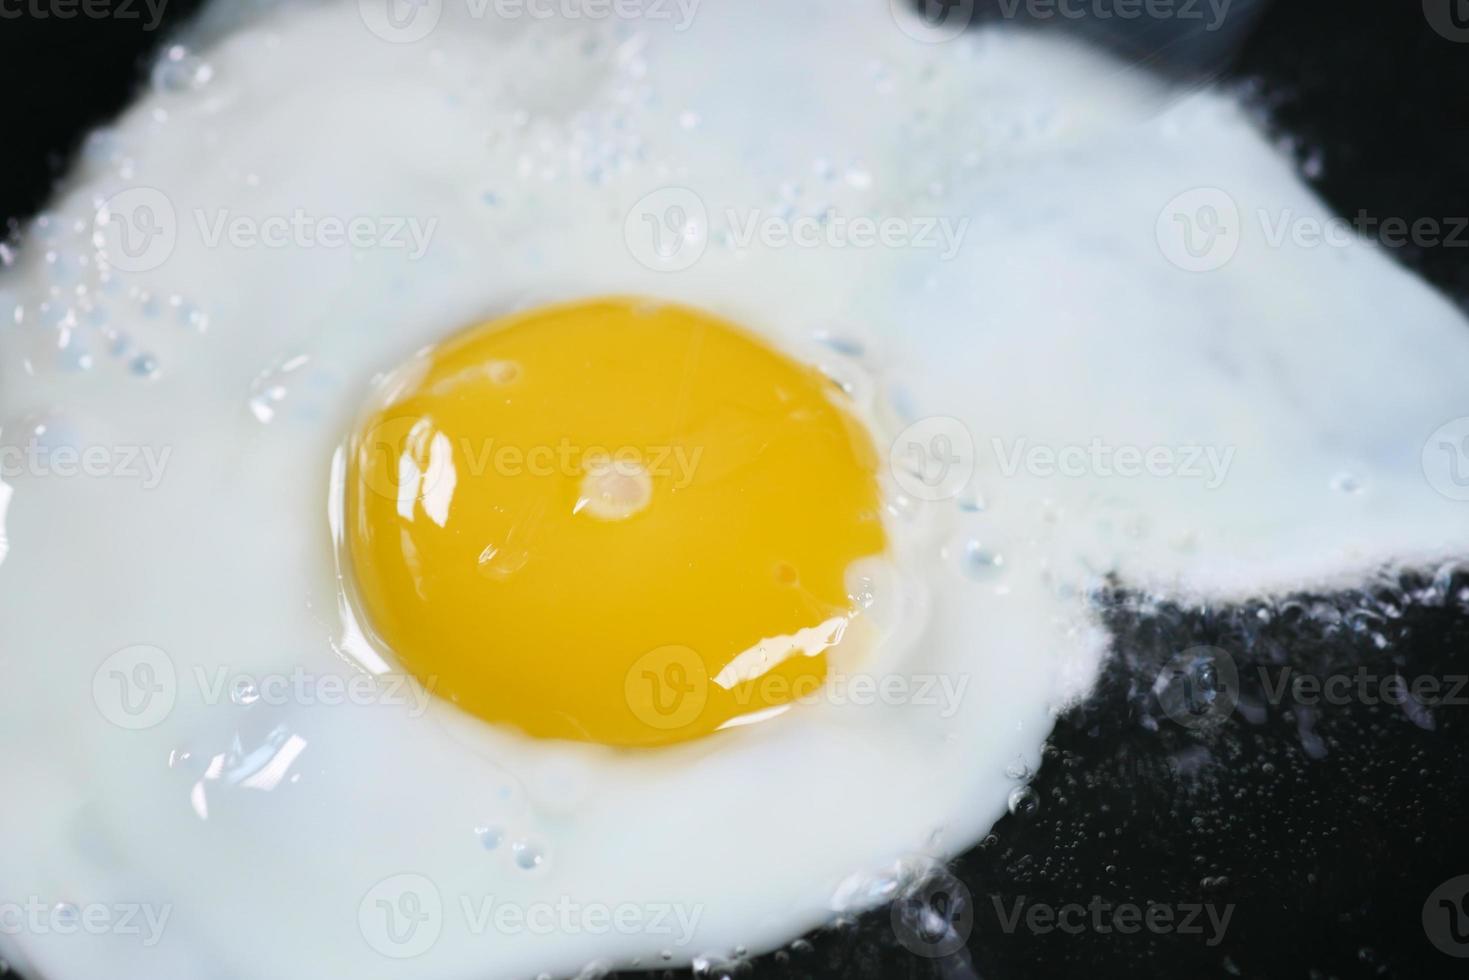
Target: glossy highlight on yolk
615	521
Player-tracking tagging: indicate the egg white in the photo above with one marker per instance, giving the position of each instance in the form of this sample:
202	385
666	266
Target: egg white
526	144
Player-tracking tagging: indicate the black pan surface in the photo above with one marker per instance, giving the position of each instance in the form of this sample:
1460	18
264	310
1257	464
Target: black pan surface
1333	836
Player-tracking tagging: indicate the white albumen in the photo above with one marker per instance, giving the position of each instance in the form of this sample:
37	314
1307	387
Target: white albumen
264	829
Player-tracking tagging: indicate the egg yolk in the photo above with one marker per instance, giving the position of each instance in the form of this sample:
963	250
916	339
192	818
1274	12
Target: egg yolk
615	521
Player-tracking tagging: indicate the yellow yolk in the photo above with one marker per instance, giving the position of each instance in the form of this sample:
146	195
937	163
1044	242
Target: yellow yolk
614	521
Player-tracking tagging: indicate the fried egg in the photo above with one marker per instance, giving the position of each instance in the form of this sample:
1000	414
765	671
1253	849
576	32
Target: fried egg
581	553
490	494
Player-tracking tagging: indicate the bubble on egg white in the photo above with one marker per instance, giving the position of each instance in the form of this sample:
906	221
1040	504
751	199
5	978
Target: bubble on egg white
178	70
520	148
244	692
528	855
981	563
